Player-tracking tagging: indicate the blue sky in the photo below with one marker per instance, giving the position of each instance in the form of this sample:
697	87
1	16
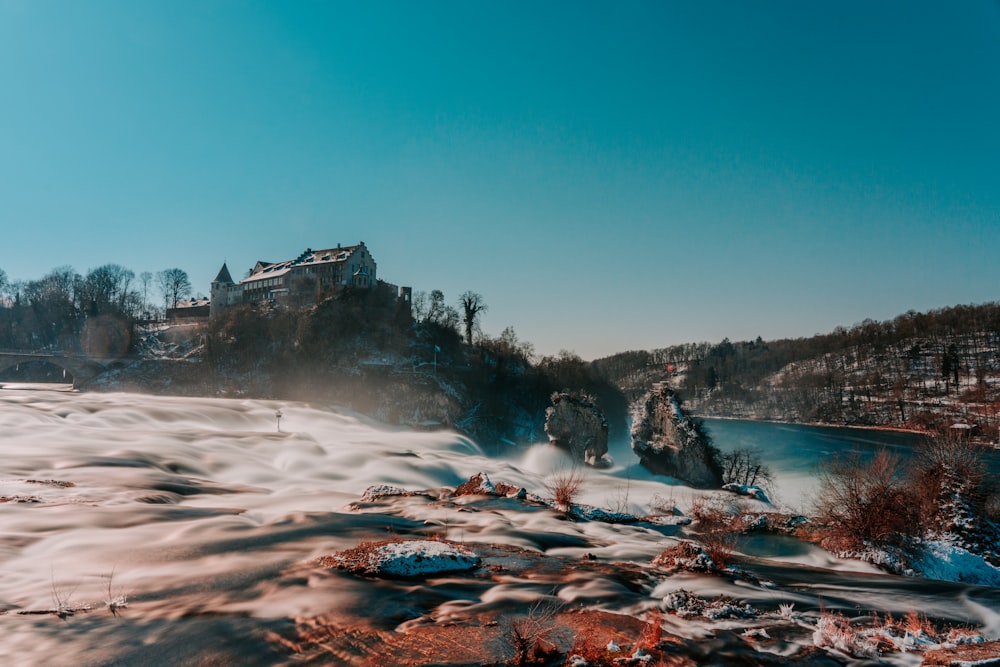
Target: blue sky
609	176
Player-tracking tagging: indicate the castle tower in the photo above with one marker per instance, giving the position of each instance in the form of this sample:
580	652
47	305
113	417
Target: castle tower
221	288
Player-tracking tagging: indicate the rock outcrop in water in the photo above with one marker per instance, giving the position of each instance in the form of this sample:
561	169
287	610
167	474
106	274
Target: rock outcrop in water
574	422
668	442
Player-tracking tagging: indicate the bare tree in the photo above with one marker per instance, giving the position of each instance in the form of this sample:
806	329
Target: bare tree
145	278
431	308
472	304
744	466
436	306
106	289
54	301
418	306
174	285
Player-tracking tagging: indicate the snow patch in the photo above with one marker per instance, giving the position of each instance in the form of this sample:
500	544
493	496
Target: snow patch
377	491
950	562
754	492
411	558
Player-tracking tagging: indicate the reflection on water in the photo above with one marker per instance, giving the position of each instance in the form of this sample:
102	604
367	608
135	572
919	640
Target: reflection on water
778	547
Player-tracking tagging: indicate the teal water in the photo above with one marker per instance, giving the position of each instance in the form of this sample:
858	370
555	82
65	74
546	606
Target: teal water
796	453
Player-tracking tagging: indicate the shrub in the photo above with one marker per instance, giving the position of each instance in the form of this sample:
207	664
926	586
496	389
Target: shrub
526	633
712	512
718	527
565	486
720	545
951	482
865	502
652	633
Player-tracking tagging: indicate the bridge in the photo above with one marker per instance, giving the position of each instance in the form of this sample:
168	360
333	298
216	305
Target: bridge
82	368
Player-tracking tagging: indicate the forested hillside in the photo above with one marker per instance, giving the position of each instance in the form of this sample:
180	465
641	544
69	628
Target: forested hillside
918	370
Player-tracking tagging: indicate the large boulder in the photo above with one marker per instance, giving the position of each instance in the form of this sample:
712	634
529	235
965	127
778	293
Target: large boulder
669	442
574	422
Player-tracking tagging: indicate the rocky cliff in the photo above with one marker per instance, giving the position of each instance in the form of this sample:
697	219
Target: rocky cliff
575	423
668	442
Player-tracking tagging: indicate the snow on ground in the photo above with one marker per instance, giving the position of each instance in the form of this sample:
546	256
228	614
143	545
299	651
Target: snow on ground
949	562
746	490
406	558
421	557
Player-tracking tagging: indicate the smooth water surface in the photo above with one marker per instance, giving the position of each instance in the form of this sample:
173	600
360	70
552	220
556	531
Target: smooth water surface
796	453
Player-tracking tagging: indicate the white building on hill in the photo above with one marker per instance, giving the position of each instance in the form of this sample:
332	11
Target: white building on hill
305	280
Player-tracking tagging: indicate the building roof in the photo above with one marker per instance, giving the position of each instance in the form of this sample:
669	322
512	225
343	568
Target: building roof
223	276
191	303
308	258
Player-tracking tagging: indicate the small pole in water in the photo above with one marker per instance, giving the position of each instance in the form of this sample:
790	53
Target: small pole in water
277	415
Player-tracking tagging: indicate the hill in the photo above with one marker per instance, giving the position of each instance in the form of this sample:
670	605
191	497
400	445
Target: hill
364	350
917	371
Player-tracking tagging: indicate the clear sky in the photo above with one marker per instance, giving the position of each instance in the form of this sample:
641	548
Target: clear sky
609	176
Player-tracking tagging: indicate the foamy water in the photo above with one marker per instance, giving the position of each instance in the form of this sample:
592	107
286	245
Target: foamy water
205	517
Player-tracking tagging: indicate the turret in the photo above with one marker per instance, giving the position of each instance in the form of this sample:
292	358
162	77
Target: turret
221	287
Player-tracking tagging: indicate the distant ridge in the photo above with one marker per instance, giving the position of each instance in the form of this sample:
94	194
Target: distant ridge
918	370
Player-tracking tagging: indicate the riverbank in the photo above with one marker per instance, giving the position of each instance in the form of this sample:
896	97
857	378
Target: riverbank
893	429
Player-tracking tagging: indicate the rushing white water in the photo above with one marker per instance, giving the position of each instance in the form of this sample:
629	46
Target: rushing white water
188	505
205	517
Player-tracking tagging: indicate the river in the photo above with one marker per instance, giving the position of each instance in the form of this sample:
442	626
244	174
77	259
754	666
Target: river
795	453
207	516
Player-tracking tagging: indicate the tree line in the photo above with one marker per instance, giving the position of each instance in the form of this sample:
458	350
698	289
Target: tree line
890	372
51	312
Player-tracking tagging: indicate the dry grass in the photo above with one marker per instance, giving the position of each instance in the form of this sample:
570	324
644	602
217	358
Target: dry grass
913	632
666	506
835	631
591	643
714	512
565	486
115	600
527	633
719	527
607	640
720	546
652	634
916	624
977	654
